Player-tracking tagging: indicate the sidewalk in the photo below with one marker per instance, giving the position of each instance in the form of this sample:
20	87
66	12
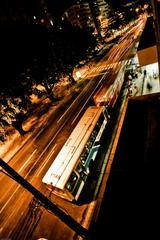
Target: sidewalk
143	84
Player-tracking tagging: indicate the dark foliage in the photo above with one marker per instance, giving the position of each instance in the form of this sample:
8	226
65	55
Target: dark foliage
19	46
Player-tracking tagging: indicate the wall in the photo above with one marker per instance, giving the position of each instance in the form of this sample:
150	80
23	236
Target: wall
147	56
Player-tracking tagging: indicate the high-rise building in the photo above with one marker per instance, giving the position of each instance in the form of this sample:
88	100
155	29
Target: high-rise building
80	15
89	14
100	13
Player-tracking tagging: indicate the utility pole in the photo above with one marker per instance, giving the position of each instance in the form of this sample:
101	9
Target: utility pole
156	22
47	204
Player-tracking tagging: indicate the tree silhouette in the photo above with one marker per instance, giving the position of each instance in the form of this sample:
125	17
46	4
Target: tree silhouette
72	45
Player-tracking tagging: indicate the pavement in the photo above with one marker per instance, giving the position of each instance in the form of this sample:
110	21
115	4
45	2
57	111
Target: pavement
148	83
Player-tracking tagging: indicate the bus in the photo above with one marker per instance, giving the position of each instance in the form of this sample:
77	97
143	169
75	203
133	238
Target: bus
68	173
108	93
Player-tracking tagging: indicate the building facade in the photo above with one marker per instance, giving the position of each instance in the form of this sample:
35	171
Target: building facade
89	14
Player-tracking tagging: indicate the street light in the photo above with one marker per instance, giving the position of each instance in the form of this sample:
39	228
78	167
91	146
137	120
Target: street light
78	74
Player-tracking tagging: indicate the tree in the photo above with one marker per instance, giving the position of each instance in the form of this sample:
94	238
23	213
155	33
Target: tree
33	54
12	113
20	45
72	46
